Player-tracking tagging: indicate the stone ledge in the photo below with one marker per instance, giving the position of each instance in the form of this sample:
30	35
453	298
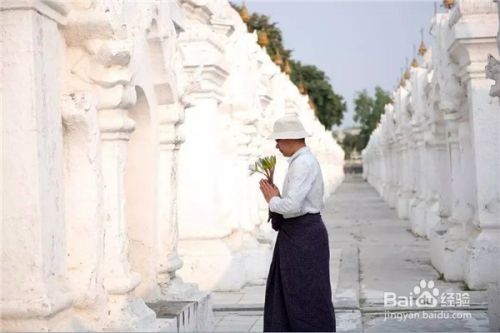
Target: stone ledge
346	295
190	315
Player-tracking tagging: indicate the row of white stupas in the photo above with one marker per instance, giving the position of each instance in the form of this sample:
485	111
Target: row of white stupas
435	156
128	128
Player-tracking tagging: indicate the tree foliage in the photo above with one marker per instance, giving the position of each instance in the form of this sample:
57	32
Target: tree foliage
368	110
329	107
349	144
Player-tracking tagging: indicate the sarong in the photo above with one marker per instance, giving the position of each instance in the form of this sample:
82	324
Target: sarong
298	291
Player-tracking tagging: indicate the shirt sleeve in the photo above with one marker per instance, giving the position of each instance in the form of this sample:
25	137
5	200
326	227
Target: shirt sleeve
301	177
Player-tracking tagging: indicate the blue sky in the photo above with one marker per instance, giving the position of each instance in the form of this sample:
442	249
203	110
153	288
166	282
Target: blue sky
358	44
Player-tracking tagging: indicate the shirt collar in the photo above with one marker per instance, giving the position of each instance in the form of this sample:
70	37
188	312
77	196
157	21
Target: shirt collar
297	153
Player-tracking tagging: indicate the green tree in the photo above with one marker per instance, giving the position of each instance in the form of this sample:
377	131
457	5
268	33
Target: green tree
329	107
350	143
367	112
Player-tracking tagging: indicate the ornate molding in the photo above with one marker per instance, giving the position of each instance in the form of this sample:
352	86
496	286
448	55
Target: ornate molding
55	10
470	7
196	10
493	72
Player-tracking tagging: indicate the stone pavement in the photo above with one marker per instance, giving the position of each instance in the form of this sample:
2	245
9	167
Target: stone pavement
372	252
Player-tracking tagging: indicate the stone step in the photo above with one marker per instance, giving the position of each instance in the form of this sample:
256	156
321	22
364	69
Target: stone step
191	315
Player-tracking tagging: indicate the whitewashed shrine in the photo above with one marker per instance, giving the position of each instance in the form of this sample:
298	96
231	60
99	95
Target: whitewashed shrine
128	128
435	155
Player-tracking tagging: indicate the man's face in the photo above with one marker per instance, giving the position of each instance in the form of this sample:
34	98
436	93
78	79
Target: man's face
284	145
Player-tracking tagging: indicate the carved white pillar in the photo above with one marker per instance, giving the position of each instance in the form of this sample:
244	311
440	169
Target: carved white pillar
438	176
170	117
493	72
404	194
116	96
404	147
83	200
472	41
417	206
34	290
393	186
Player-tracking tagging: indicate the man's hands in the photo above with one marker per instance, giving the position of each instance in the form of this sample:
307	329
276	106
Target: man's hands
268	190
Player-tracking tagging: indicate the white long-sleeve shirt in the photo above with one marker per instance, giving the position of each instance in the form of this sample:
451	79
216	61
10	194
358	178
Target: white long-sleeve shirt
303	186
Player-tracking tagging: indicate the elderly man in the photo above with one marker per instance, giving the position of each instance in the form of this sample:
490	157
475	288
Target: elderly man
298	292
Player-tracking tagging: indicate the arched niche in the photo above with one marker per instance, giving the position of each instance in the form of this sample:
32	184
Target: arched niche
140	189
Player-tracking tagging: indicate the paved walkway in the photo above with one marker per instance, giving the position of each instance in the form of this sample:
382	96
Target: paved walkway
372	252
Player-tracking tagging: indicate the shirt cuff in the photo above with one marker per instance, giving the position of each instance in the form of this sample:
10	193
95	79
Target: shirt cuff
273	203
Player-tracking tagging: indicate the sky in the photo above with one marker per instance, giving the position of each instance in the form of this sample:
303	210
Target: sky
358	44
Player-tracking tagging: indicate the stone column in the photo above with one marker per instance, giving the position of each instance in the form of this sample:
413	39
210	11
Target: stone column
404	148
100	55
447	239
170	117
493	72
83	204
404	194
116	95
472	41
418	105
34	289
438	176
417	210
119	280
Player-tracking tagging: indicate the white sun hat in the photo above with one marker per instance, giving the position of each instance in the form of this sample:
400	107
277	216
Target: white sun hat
288	127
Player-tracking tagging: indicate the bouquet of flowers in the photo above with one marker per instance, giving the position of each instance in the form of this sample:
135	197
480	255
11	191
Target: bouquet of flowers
265	166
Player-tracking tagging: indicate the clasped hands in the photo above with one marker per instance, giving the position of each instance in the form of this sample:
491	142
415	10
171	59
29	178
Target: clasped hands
268	189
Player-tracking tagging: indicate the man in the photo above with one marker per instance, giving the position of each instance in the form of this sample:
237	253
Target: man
298	292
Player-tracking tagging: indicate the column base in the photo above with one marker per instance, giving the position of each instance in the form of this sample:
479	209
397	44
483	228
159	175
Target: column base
211	264
191	314
417	216
432	217
40	313
392	197
64	321
448	250
128	313
403	204
482	263
386	192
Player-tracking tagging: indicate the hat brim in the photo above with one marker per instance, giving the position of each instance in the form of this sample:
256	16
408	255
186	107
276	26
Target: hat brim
289	135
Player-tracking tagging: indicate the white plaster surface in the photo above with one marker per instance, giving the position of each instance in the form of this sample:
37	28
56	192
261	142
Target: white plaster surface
440	139
127	132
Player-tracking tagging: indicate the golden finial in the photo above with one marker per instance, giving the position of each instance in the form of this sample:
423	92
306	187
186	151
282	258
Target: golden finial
422	48
402	82
277	58
263	40
245	16
448	3
287	68
407	75
414	62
